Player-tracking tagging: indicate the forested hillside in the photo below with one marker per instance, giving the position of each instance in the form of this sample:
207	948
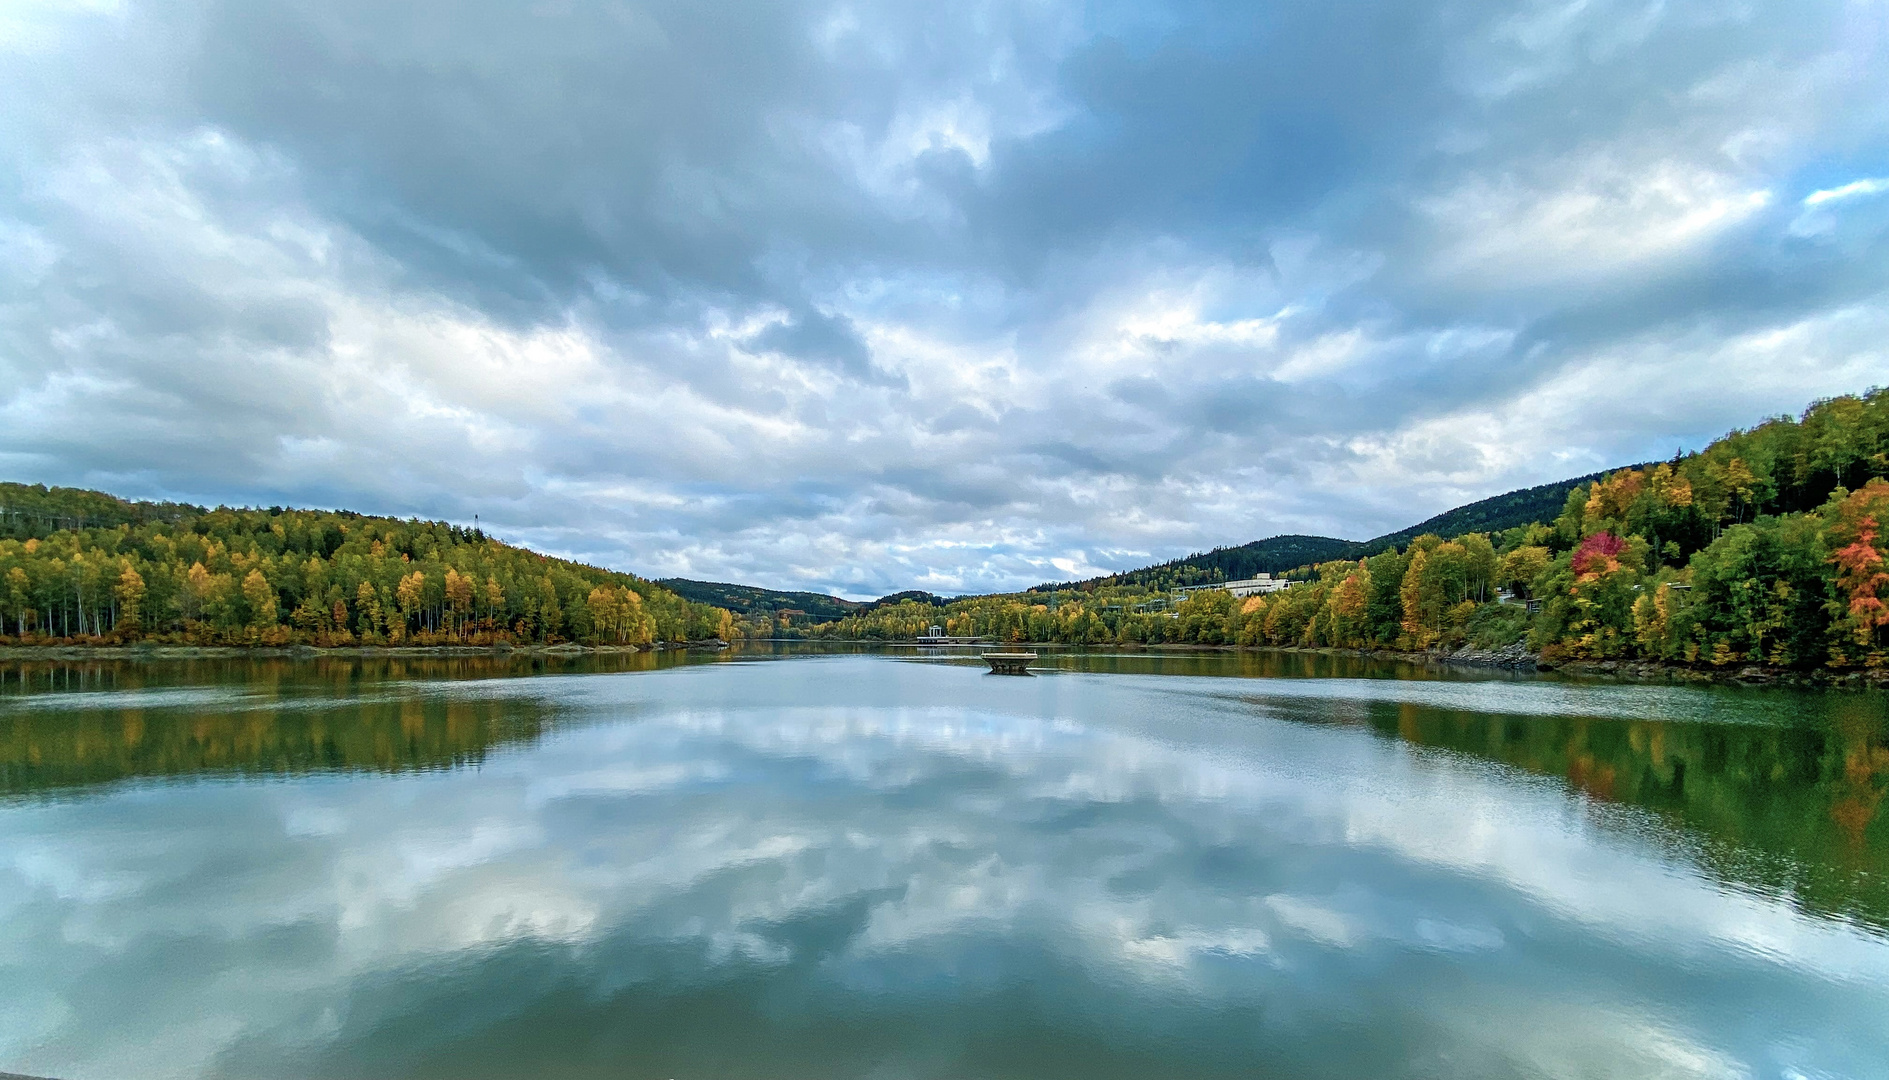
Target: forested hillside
1492	515
1273	555
83	566
1766	547
38	512
753	599
1280	554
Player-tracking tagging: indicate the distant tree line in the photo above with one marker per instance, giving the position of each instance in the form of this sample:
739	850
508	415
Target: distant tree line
1766	547
81	566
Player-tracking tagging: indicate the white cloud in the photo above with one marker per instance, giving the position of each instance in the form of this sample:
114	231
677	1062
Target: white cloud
1853	189
859	300
1593	219
1602	402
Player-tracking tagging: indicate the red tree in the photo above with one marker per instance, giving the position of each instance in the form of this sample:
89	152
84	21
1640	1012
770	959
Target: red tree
1599	554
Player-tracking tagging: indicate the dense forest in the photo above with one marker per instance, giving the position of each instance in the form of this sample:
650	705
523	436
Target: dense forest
80	566
1766	547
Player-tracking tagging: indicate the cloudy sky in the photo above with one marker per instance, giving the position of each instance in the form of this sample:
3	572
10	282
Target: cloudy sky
862	297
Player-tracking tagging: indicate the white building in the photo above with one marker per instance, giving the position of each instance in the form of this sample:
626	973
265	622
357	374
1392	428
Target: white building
1264	583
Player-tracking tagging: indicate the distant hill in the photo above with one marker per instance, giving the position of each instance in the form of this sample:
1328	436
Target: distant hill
1280	554
754	599
1494	514
35	512
1274	555
916	596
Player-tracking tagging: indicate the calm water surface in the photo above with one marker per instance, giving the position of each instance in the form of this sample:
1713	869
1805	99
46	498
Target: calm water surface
880	867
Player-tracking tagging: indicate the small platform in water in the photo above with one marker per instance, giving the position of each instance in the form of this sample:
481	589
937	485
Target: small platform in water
1009	663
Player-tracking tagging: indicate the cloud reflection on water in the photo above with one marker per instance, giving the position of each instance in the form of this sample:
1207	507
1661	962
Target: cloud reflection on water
1134	857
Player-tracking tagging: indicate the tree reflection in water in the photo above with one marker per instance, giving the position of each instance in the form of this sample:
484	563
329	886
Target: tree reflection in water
1783	796
1792	810
66	725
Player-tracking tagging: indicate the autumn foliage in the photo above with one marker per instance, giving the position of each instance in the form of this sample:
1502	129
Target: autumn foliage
1765	548
1598	554
1860	577
80	566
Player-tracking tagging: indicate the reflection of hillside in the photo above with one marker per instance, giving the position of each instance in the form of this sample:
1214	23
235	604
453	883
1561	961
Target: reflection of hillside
255	717
1786	809
317	674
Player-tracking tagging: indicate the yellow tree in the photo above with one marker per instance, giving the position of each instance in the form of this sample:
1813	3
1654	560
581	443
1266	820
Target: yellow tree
369	616
604	618
1412	595
1609	499
1348	606
196	590
130	593
260	596
1672	489
1653	618
1741	484
494	598
458	595
642	630
407	594
1519	568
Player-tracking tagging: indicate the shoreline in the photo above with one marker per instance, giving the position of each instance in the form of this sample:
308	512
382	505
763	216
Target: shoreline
1514	659
314	652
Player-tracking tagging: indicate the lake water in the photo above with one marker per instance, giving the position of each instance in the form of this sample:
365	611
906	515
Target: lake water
866	866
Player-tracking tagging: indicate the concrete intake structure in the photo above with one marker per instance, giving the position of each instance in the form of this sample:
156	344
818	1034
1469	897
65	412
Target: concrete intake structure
1009	663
